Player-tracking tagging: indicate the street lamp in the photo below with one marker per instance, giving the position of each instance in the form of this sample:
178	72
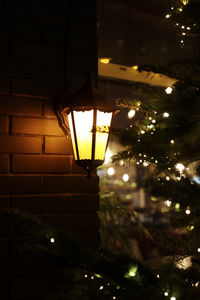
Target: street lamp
89	117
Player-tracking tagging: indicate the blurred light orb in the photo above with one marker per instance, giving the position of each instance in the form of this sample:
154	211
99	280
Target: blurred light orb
165	114
111	171
180	167
108	156
125	177
168	90
131	113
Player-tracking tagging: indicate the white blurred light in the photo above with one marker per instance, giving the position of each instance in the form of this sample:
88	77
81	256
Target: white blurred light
180	167
166	115
131	113
125	177
52	240
184	263
108	156
121	163
166	294
168	203
145	164
111	171
168	90
173	298
187	211
172	141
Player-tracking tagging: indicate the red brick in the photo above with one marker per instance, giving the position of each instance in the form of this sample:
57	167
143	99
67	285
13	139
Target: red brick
20	105
36	126
4	163
4	202
3	124
41	164
18	144
70	184
38	52
48	109
27	31
75	222
4	248
58	145
56	203
4	84
20	184
35	87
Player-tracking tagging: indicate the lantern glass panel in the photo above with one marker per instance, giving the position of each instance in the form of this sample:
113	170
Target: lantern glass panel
84	124
72	135
103	121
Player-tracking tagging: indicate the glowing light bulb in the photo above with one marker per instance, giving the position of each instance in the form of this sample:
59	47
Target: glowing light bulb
198	250
167	178
135	68
125	177
158	276
167	16
188	28
173	298
168	203
177	206
142	132
166	115
111	171
105	60
52	240
101	287
183	33
180	167
187	211
172	141
131	113
145	164
166	294
168	90
121	163
153	121
132	272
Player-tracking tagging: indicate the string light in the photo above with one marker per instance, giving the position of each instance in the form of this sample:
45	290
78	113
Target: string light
52	240
167	178
145	164
111	171
132	272
165	114
166	294
187	211
198	250
153	121
142	132
167	16
131	113
172	141
168	90
173	298
125	177
168	203
180	167
101	287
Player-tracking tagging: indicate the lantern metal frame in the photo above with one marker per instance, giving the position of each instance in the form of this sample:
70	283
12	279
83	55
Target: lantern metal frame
86	99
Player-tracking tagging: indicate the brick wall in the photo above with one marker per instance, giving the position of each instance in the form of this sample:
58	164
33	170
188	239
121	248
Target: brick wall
37	169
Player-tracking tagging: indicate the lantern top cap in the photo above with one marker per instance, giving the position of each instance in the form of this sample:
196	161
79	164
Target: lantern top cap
87	98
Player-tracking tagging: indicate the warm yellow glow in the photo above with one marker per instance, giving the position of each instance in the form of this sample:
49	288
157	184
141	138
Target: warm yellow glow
185	2
72	135
131	113
180	167
184	263
108	156
103	121
84	124
105	60
135	68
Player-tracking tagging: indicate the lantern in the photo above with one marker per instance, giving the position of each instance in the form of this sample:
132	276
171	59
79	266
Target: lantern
89	117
